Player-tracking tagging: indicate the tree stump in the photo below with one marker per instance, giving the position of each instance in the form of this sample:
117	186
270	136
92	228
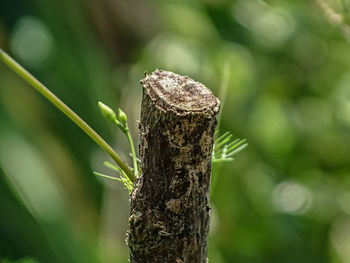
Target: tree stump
169	217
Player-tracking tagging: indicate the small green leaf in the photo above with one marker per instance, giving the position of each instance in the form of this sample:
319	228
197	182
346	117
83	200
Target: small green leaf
126	182
107	176
225	147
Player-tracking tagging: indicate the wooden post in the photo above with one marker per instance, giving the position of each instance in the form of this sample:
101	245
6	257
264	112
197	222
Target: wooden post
169	217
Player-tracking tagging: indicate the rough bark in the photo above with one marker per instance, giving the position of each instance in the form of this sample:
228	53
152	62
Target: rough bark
169	217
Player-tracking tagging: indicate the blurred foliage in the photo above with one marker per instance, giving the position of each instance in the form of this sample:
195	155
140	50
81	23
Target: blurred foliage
281	69
24	260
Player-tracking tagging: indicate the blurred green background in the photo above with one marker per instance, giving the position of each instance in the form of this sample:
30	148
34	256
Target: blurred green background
281	69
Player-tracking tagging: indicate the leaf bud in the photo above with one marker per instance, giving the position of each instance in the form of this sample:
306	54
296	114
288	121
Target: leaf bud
107	112
122	117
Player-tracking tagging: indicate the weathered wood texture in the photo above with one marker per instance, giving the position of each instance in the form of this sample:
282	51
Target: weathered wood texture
169	217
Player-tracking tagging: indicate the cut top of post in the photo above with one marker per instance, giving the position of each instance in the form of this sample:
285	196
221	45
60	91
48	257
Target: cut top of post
179	93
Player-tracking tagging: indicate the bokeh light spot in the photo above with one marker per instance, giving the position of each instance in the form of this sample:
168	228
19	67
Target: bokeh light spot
344	202
342	100
32	42
340	238
291	198
270	26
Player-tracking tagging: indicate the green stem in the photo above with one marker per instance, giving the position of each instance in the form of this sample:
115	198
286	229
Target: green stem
134	159
11	63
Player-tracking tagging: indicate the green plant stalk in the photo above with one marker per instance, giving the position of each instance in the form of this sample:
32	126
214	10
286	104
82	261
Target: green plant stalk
133	153
125	130
31	80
